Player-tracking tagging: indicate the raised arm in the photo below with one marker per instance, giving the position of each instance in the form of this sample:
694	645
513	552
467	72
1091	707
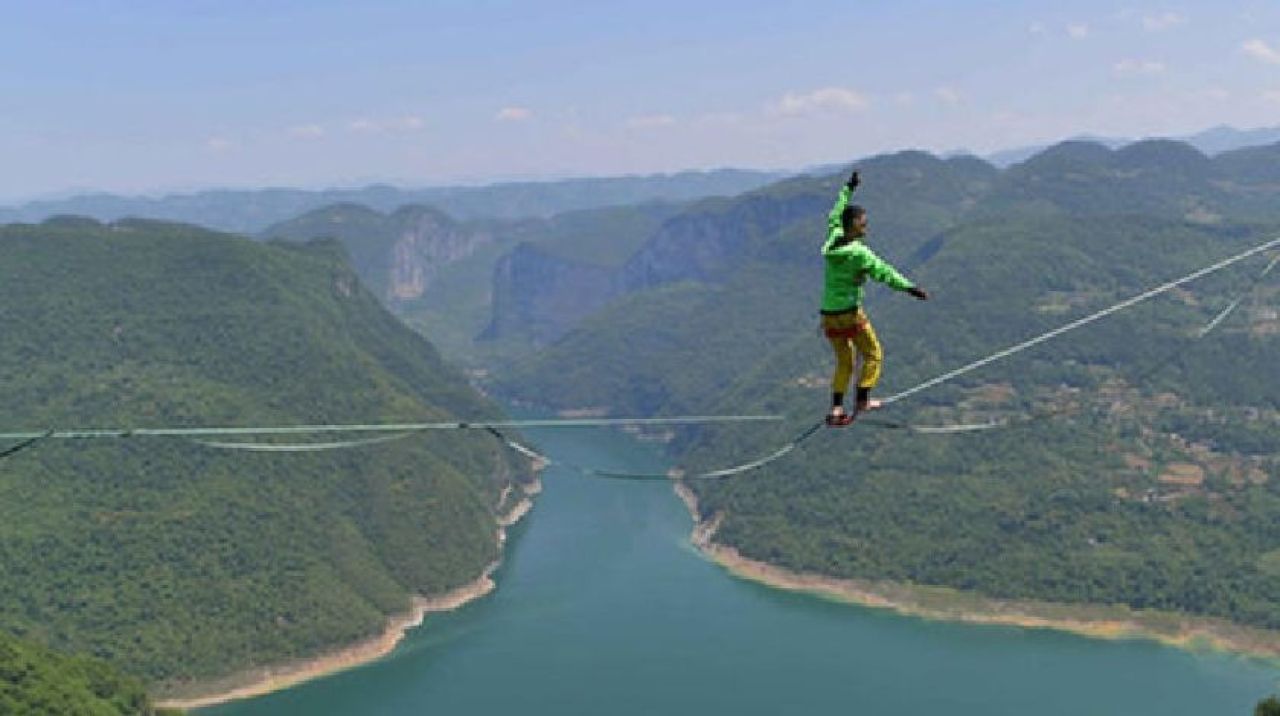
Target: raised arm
835	222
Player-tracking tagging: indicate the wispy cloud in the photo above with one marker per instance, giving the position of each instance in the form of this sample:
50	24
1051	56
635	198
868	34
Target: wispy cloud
1077	30
1163	21
513	114
651	121
1271	96
1260	50
366	125
219	145
825	100
1132	68
948	96
1036	28
306	131
409	124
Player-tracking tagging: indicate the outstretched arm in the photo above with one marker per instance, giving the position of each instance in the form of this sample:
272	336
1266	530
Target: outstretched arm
884	272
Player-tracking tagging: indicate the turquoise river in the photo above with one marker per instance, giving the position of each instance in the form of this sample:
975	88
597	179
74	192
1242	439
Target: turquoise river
604	607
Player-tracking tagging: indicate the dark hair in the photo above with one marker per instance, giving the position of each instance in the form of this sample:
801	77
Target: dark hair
851	212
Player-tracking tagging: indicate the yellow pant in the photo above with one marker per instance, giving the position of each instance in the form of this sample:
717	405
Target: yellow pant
848	331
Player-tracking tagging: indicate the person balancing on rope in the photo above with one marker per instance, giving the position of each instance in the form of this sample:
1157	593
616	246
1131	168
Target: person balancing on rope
848	262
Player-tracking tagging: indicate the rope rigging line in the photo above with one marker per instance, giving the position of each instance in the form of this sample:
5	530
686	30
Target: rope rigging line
950	375
380	427
1141	377
24	444
301	447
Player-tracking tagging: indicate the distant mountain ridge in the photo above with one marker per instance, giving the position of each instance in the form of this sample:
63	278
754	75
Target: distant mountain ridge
1215	140
251	211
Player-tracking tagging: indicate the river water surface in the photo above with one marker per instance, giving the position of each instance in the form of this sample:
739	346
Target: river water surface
603	607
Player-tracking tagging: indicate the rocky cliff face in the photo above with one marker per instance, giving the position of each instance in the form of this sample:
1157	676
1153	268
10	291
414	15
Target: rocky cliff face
539	297
708	245
428	242
397	255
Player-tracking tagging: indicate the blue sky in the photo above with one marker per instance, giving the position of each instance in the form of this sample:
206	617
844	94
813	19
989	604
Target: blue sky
145	96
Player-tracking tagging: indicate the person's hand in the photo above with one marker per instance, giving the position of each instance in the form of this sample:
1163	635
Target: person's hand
852	183
918	293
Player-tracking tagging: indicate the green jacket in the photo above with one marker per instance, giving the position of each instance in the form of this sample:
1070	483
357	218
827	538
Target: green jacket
848	264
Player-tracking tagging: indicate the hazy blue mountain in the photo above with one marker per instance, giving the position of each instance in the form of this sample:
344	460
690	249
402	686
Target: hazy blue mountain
251	211
1211	141
1224	139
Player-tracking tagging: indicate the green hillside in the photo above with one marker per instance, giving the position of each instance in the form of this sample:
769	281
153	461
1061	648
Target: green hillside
180	562
39	681
1140	467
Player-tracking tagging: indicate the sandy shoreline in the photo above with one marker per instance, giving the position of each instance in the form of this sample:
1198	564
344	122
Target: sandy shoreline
943	604
259	682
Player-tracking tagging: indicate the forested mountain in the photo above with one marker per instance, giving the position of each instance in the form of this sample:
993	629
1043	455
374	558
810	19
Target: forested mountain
180	562
398	255
437	274
39	681
251	211
1140	465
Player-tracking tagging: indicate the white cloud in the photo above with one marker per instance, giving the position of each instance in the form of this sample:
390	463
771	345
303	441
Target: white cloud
1036	28
1131	68
1216	94
1078	30
827	99
513	114
1164	21
904	99
408	123
651	121
948	95
1272	96
307	131
1260	50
